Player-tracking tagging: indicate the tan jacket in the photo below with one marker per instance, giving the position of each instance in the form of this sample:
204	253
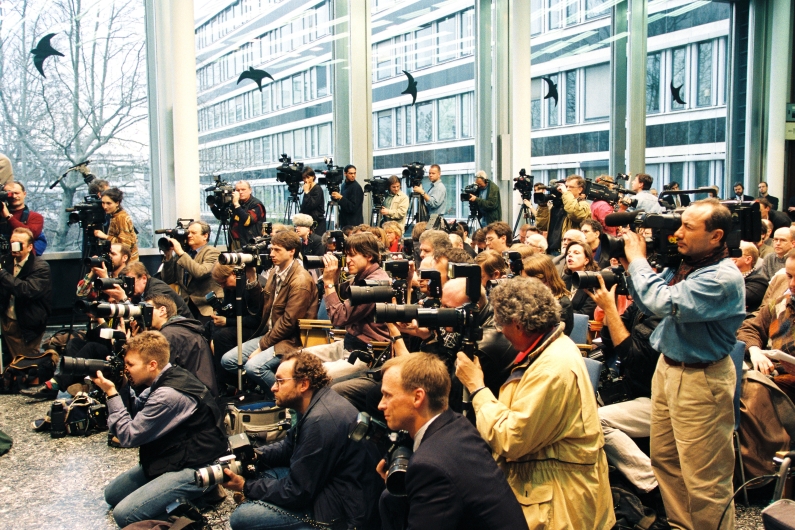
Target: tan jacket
576	212
398	208
546	437
200	281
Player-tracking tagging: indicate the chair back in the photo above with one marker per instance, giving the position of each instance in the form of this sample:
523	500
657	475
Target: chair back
579	332
737	355
594	368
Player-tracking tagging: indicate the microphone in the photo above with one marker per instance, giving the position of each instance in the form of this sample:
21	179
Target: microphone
80	165
621	218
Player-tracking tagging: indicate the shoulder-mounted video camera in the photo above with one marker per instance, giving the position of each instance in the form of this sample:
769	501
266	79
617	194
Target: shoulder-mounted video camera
524	185
180	233
332	177
89	213
219	198
414	173
290	173
471	189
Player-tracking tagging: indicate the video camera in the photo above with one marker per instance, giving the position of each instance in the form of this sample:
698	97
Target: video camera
180	233
471	189
414	173
524	185
142	312
89	214
127	283
316	262
290	174
332	177
241	460
219	306
600	192
374	291
379	188
552	192
398	454
611	276
219	198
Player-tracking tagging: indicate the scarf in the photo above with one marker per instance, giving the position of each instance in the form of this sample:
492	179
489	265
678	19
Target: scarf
689	265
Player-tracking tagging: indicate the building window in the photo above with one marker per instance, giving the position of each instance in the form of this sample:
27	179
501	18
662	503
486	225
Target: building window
554	14
653	83
552	105
597	92
536	16
424	122
678	78
383	60
447	118
704	82
446	40
571	97
535	103
424	47
384	119
467	125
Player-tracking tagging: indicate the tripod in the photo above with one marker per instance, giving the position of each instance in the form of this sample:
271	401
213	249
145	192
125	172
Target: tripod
473	223
375	213
418	211
291	208
524	213
224	227
332	215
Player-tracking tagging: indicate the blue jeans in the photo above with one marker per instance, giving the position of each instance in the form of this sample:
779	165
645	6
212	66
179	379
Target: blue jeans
259	515
261	369
135	498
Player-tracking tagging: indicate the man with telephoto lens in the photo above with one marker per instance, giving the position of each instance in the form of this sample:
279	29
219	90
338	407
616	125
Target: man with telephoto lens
174	422
316	475
191	270
451	480
702	304
145	287
290	294
248	214
350	199
119	255
567	212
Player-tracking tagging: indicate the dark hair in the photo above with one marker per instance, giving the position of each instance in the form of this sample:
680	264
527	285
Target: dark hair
453	255
124	250
765	201
288	241
721	217
114	194
645	180
418	230
308	172
308	367
595	225
591	265
501	229
163	300
491	262
97	186
738	184
349	166
364	243
540	266
479	236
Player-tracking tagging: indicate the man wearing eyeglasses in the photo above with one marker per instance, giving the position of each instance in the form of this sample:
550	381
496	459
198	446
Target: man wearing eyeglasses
567	212
316	475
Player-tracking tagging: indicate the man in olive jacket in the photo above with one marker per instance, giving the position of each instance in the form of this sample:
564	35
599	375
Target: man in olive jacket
489	206
567	212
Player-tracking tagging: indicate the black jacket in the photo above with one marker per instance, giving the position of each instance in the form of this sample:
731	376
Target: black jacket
32	291
196	441
452	482
329	472
314	204
156	287
189	349
351	204
246	222
313	247
581	303
779	219
756	285
638	358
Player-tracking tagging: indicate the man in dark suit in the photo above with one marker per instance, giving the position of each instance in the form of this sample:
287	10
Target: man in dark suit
739	193
452	480
679	201
350	198
763	194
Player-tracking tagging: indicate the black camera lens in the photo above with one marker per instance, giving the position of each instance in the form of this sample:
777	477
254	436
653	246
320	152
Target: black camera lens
396	474
590	280
369	294
395	313
615	247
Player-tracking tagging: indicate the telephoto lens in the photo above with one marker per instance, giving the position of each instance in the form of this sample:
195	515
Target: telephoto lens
590	280
214	474
236	258
396	474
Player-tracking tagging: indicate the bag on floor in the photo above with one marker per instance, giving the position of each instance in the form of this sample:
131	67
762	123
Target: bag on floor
79	416
29	371
632	514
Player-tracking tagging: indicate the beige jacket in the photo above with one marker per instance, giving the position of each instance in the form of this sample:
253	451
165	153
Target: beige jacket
546	437
397	206
199	281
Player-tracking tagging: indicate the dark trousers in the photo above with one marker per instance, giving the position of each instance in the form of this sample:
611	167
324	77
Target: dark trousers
225	339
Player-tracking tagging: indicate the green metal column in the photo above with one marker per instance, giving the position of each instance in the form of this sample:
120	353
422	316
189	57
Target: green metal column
636	79
618	103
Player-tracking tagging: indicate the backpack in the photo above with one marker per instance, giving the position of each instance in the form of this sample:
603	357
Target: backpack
631	514
60	338
28	371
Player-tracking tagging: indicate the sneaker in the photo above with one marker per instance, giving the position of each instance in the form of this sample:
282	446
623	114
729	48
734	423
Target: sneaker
42	392
41	425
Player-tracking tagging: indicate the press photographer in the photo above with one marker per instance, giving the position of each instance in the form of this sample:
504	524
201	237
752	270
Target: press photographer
110	266
311	243
350	199
144	288
313	202
25	296
567	212
248	214
15	214
316	475
174	422
451	480
192	269
487	199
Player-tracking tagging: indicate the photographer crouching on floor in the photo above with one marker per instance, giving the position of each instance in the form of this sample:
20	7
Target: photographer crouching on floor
175	423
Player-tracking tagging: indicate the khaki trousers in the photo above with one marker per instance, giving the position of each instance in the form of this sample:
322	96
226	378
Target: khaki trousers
692	455
16	344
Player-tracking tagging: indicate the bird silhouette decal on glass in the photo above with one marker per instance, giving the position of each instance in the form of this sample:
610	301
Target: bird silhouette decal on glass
43	50
256	75
676	93
411	88
552	90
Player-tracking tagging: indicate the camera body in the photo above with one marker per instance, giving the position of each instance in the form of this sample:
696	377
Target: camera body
241	460
290	173
414	173
255	253
471	189
316	262
97	261
600	192
332	177
219	198
524	185
141	313
398	454
89	214
375	291
221	308
611	276
553	194
179	233
127	283
378	188
112	368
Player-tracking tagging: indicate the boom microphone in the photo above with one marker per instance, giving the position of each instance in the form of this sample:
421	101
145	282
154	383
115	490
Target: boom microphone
621	218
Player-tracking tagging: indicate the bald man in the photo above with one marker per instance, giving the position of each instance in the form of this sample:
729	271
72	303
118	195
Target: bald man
782	243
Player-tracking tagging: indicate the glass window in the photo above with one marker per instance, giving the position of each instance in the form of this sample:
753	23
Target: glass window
298	89
324	139
678	63
653	83
446	39
552	103
597	92
676	172
384	118
287	92
704	74
554	14
572	10
409	121
468	32
596	8
535	103
536	16
383	60
299	137
424	122
447	118
571	97
400	130
322	81
701	169
424	46
467	125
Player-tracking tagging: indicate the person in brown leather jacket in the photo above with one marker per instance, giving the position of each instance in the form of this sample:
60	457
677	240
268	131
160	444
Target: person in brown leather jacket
290	294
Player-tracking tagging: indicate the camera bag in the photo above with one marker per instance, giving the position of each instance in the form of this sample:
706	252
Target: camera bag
81	416
263	420
28	371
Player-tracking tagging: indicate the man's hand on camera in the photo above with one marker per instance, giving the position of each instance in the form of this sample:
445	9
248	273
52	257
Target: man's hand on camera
251	273
116	294
219	321
234	482
634	246
381	468
330	267
759	360
605	299
472	198
100	272
236	199
418	189
336	195
468	371
106	386
4	213
177	246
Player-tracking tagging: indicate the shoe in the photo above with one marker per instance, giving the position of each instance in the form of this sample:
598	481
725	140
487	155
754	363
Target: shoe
43	392
41	425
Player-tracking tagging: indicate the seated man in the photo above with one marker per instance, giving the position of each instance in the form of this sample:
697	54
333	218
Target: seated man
175	423
782	243
316	475
145	288
192	269
119	254
755	280
451	479
290	294
188	347
543	430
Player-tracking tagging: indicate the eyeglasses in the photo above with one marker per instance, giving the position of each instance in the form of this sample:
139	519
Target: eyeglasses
280	381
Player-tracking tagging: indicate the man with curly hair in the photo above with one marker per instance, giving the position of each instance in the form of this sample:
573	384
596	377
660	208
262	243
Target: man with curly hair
316	475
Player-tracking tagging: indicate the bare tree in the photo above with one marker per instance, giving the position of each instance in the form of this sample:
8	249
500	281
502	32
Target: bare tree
92	105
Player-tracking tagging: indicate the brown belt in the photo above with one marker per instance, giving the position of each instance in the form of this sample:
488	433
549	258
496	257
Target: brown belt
680	364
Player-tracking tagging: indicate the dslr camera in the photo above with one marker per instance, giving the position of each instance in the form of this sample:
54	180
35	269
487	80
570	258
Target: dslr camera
332	176
89	214
127	283
611	276
112	368
471	189
524	185
219	199
97	261
398	454
255	253
180	233
219	305
374	291
316	262
141	313
241	460
414	173
290	173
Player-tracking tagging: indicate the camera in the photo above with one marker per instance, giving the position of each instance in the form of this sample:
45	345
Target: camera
414	173
514	261
316	262
180	233
127	283
524	185
112	368
256	252
368	357
5	196
471	189
379	188
373	291
434	288
241	461
290	173
142	312
219	306
89	214
398	454
553	194
600	192
219	198
408	248
332	176
97	261
611	276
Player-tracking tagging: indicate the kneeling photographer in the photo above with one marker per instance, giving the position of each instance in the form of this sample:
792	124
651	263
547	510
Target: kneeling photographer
315	476
144	288
174	422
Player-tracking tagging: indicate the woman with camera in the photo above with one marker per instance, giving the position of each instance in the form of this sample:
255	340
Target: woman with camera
540	266
118	223
579	258
314	201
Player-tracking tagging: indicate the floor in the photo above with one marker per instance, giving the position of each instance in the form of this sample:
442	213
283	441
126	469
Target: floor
58	483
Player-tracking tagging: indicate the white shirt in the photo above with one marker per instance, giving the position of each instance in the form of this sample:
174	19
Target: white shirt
421	432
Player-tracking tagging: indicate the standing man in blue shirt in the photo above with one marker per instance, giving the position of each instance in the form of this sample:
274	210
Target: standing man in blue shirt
702	305
436	194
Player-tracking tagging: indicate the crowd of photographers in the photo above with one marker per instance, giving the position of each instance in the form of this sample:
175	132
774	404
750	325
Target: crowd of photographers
446	390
